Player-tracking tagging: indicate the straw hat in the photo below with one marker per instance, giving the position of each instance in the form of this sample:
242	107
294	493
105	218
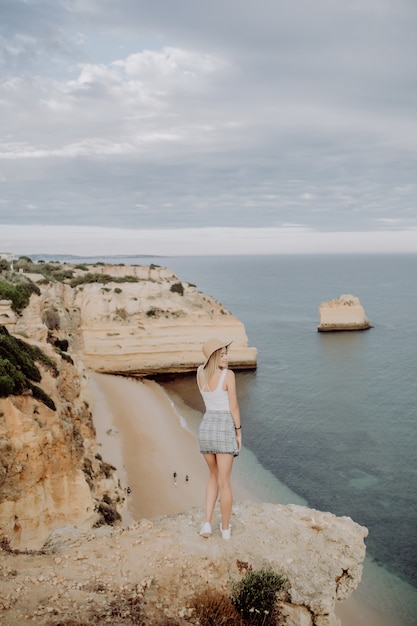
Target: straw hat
211	346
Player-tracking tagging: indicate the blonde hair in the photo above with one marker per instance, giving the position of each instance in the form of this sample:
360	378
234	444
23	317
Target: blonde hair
211	365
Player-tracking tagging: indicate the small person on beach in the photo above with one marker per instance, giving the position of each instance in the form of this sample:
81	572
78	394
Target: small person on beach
219	435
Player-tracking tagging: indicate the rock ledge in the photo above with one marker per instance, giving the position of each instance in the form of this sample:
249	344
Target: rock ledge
320	554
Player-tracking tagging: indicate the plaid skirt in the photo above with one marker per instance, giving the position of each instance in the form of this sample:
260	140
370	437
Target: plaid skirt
217	434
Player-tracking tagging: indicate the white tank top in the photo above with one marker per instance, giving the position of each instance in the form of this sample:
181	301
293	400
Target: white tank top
217	400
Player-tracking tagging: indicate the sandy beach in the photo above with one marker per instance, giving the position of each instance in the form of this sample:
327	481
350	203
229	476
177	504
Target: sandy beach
141	434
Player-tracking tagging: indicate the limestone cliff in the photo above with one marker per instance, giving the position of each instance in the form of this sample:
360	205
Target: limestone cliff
50	470
342	313
128	319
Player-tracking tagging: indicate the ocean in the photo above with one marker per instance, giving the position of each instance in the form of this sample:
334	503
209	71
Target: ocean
329	419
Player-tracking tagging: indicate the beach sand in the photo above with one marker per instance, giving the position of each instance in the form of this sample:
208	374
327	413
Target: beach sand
141	434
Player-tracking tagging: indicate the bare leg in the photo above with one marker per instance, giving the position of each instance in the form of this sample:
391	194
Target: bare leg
212	489
224	466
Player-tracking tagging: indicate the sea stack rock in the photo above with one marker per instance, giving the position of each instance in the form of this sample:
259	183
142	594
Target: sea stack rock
342	313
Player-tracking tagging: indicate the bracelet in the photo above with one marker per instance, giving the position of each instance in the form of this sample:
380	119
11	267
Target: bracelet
238	428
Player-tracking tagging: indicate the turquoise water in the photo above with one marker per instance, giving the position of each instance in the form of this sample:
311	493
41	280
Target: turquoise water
332	417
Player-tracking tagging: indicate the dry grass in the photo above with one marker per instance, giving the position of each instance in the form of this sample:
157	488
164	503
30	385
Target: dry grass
213	608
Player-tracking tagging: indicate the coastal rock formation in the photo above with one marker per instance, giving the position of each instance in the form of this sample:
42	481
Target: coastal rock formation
143	322
342	313
162	564
136	321
50	470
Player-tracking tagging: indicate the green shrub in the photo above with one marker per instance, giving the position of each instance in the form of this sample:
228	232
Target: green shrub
6	384
90	278
126	279
18	370
254	596
62	275
19	293
12	370
102	279
23	262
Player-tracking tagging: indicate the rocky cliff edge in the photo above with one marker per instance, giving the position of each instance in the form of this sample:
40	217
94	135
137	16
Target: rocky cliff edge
53	479
158	567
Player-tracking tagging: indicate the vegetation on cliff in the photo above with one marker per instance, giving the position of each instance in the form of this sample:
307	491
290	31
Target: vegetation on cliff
92	277
18	369
52	271
17	286
18	292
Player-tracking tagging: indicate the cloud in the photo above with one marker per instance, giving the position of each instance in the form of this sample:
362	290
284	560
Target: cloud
158	114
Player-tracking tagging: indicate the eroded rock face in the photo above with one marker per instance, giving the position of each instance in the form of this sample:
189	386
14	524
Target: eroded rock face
319	554
152	326
50	470
342	313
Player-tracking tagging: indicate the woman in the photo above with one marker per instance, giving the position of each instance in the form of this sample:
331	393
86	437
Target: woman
220	434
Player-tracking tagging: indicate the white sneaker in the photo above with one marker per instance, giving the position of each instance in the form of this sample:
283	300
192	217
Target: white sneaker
205	530
226	533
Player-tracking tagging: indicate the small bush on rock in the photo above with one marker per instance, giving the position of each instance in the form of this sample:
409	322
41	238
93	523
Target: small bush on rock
254	596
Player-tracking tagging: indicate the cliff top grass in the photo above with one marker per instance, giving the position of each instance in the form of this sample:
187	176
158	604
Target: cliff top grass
16	285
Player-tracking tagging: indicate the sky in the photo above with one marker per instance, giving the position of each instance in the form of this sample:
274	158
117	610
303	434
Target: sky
221	127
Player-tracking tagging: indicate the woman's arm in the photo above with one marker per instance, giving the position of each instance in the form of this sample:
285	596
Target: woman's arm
234	405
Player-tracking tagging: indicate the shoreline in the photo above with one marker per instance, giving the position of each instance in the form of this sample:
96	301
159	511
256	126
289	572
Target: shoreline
149	443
